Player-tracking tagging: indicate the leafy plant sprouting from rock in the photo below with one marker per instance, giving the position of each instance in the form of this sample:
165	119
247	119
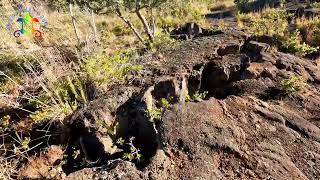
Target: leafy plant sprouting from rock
165	103
293	85
156	112
294	45
111	129
134	153
197	96
22	144
5	121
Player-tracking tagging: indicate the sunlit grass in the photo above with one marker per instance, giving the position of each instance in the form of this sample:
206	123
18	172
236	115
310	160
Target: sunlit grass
310	29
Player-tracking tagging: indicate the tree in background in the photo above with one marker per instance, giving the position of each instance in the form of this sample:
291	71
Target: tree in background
131	6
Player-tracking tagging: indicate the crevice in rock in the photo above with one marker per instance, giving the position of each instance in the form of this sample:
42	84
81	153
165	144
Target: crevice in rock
273	93
296	128
218	75
254	46
219	147
84	148
165	89
134	121
194	80
192	30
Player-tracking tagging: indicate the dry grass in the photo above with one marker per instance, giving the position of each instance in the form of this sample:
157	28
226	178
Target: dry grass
221	5
273	22
310	30
7	168
179	12
114	33
7	40
61	31
266	22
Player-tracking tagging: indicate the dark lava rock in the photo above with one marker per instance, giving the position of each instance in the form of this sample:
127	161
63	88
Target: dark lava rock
187	31
221	14
255	47
239	138
192	30
270	40
231	48
117	169
248	126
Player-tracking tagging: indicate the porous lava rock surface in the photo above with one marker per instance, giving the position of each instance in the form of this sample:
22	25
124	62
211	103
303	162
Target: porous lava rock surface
247	127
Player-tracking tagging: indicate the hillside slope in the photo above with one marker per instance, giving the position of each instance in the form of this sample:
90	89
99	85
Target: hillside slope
246	127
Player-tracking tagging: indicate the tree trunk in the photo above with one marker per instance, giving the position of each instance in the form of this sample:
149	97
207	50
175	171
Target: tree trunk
131	26
93	23
76	31
153	24
145	25
154	27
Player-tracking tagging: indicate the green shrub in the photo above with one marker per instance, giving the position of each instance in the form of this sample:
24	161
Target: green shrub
273	22
197	96
294	45
134	153
121	29
12	66
41	115
156	112
293	85
175	13
103	68
5	121
270	22
310	30
161	41
316	5
164	102
65	97
71	91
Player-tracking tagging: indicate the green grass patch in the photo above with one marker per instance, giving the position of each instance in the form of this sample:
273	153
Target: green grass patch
103	68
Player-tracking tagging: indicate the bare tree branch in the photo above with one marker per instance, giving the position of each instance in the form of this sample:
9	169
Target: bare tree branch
131	26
